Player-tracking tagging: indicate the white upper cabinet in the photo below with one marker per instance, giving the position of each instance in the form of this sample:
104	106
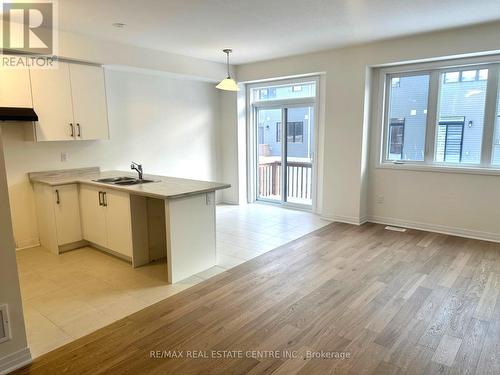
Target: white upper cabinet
89	101
70	101
15	90
51	90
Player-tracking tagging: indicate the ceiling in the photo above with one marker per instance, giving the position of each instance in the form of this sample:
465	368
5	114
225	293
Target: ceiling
264	29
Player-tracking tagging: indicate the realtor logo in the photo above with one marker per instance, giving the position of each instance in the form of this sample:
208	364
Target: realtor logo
28	27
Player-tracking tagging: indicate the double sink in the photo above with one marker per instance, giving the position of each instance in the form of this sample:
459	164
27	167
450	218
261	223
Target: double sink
123	181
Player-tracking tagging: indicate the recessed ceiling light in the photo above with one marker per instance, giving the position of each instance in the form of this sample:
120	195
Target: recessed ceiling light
118	25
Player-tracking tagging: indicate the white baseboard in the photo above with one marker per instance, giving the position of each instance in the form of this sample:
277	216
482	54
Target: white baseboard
229	202
27	244
453	231
15	360
346	219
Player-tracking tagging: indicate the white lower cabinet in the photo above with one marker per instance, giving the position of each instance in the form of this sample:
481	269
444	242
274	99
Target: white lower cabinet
118	221
106	218
58	215
67	213
93	215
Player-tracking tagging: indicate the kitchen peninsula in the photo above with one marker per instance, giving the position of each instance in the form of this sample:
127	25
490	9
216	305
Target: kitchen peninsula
137	220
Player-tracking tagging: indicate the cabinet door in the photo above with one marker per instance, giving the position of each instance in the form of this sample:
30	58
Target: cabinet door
67	214
89	101
15	88
93	216
45	215
118	222
52	102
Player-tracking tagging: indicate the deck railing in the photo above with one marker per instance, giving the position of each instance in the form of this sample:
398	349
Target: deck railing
298	181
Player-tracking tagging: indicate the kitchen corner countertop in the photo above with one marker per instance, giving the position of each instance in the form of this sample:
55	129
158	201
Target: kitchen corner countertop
163	188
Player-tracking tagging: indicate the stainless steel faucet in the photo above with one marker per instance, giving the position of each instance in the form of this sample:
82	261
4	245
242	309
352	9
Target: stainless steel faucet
137	167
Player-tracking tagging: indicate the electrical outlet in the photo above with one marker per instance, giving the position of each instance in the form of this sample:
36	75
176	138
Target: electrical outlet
5	334
380	199
64	156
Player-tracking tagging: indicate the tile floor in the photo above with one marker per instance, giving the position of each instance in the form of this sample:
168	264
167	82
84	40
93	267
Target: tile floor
70	295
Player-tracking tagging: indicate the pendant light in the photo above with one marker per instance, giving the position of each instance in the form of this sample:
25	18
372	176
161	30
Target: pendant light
228	83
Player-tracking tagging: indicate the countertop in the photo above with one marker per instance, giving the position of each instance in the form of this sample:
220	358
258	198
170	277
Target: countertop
164	187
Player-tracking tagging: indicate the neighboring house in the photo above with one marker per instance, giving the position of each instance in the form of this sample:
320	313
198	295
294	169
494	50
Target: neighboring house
460	117
298	132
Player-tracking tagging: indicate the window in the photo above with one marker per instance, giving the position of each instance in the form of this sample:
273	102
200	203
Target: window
459	104
396	134
451	77
295	132
261	135
459	128
278	132
468	75
290	91
496	136
395	82
449	142
407	117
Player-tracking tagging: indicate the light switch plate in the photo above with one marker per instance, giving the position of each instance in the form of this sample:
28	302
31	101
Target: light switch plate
64	156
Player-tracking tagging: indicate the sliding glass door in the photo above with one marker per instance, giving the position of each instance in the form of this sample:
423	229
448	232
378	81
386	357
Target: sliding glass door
285	150
269	154
299	148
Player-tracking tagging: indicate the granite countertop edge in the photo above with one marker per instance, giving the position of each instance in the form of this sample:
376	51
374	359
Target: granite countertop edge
163	187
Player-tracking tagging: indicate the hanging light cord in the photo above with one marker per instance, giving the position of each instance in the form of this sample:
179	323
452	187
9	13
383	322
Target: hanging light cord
227	51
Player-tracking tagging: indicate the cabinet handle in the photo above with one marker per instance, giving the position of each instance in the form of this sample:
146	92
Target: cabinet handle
100	199
57	197
79	130
105	199
72	129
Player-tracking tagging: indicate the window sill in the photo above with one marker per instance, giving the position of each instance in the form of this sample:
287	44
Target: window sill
440	168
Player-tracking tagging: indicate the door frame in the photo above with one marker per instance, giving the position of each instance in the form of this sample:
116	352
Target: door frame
252	137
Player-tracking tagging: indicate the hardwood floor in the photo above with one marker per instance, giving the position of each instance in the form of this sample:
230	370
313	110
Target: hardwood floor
392	303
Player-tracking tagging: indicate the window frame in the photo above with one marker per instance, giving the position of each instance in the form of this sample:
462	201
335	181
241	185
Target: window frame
384	76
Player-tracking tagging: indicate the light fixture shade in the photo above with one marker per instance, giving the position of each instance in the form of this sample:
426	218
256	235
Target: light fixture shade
228	84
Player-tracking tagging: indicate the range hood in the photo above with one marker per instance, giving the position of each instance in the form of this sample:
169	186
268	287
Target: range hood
17	114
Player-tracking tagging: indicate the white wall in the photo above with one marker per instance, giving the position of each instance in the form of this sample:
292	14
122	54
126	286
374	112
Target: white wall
229	147
233	146
14	351
168	124
85	48
350	180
